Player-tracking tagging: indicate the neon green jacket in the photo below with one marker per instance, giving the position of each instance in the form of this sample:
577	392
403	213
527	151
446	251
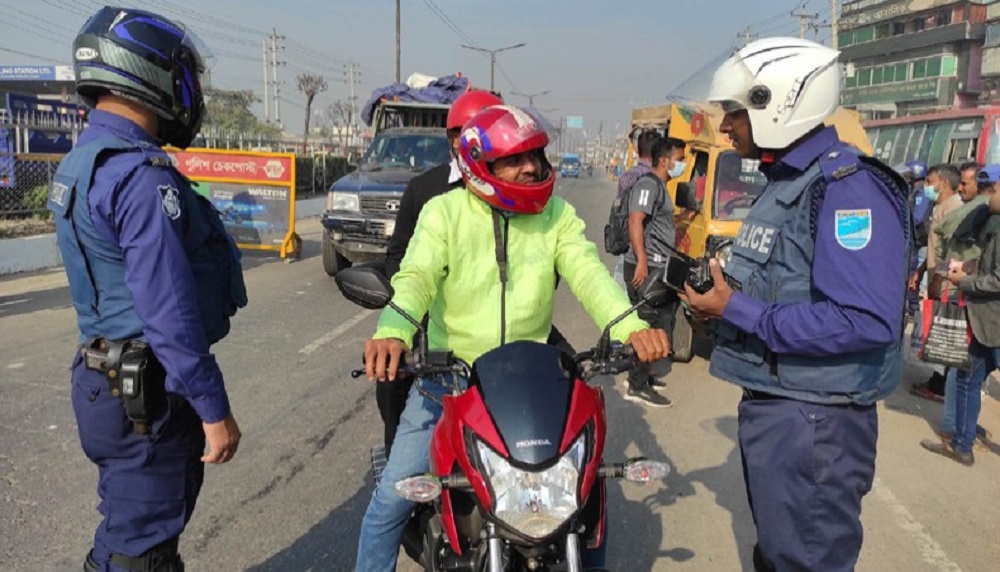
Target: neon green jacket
450	272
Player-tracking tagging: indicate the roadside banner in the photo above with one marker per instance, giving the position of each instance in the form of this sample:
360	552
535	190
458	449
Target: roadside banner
253	191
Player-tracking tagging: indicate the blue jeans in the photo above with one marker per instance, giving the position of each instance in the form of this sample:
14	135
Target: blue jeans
968	396
951	381
385	519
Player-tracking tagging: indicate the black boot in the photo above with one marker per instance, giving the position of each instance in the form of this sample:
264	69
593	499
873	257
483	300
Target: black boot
160	558
90	565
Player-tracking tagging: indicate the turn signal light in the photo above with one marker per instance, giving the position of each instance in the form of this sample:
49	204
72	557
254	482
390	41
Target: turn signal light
421	488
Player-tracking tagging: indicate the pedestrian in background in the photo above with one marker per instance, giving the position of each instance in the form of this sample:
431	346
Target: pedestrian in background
652	235
943	183
949	250
983	292
644	147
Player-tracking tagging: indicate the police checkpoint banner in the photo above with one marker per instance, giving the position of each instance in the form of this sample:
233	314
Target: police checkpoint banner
254	193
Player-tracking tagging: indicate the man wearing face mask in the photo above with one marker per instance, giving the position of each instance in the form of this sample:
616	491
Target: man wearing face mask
943	183
652	233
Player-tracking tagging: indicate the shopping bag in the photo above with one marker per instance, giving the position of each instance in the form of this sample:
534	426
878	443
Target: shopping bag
946	332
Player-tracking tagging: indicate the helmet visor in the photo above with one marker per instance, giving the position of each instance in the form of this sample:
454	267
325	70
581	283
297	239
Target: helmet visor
204	56
734	86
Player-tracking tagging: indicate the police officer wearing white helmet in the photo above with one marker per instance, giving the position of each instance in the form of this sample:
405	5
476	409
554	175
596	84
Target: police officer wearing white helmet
813	334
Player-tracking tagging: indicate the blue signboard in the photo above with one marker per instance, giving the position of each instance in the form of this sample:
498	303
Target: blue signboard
574	122
36	73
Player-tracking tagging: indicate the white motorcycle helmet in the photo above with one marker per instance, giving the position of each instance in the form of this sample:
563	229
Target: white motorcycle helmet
787	85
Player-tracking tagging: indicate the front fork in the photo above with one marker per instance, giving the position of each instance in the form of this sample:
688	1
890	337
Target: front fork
495	543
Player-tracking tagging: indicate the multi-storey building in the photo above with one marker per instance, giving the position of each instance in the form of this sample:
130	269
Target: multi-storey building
906	57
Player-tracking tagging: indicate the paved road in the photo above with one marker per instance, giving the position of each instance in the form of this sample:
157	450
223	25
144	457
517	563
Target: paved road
293	497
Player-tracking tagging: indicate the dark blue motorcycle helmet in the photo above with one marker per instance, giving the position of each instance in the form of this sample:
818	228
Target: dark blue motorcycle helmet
918	169
148	59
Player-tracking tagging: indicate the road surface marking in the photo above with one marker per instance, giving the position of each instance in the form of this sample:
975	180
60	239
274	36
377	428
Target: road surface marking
336	332
931	551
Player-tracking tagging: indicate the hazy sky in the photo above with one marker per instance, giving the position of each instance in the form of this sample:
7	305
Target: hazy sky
599	58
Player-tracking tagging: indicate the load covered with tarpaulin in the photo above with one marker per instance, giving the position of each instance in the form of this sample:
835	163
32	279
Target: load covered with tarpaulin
421	89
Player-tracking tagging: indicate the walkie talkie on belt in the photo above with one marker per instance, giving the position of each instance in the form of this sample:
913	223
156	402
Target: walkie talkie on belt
134	376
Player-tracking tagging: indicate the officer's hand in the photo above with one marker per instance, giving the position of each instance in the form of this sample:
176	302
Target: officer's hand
914	283
650	345
222	439
713	303
640	275
382	357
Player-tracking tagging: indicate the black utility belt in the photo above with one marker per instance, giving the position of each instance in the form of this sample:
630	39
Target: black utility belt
134	376
757	395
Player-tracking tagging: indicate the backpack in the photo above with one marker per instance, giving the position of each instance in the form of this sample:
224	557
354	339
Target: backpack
616	240
922	207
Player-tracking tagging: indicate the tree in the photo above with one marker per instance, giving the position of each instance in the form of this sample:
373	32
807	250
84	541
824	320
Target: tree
310	85
229	110
339	116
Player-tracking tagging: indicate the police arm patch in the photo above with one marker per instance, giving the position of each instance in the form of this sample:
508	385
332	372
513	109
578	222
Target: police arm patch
853	228
171	202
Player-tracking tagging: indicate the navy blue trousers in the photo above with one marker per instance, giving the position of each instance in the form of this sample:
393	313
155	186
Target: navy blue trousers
806	468
148	484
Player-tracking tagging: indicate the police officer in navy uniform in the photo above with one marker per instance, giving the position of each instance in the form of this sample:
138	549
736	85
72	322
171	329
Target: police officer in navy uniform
813	333
154	280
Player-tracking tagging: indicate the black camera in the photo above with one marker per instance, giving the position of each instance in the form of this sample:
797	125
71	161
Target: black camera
682	269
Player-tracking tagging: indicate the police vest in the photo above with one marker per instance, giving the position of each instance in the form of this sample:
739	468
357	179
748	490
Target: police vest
96	268
772	257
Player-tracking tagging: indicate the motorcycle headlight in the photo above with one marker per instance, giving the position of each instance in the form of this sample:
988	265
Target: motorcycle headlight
535	503
336	201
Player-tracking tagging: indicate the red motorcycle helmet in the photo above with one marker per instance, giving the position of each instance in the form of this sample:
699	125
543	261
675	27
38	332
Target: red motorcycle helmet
469	104
502	131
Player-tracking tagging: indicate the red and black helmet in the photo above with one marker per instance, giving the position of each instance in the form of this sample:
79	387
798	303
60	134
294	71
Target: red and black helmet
469	104
503	131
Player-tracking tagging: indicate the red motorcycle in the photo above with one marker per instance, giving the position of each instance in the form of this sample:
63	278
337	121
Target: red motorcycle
517	480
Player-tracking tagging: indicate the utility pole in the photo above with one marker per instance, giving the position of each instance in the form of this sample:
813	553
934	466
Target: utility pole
834	23
746	36
804	18
267	89
275	38
398	36
493	57
531	96
353	76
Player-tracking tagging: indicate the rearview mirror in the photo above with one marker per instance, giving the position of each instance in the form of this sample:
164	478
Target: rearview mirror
654	290
365	286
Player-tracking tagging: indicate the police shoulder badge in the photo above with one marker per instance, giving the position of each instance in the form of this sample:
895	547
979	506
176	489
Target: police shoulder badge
171	201
853	228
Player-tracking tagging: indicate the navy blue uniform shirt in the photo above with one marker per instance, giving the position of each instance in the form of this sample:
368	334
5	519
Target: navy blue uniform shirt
129	211
861	302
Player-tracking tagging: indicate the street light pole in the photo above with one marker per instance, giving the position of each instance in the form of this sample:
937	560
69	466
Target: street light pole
493	57
531	96
398	34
